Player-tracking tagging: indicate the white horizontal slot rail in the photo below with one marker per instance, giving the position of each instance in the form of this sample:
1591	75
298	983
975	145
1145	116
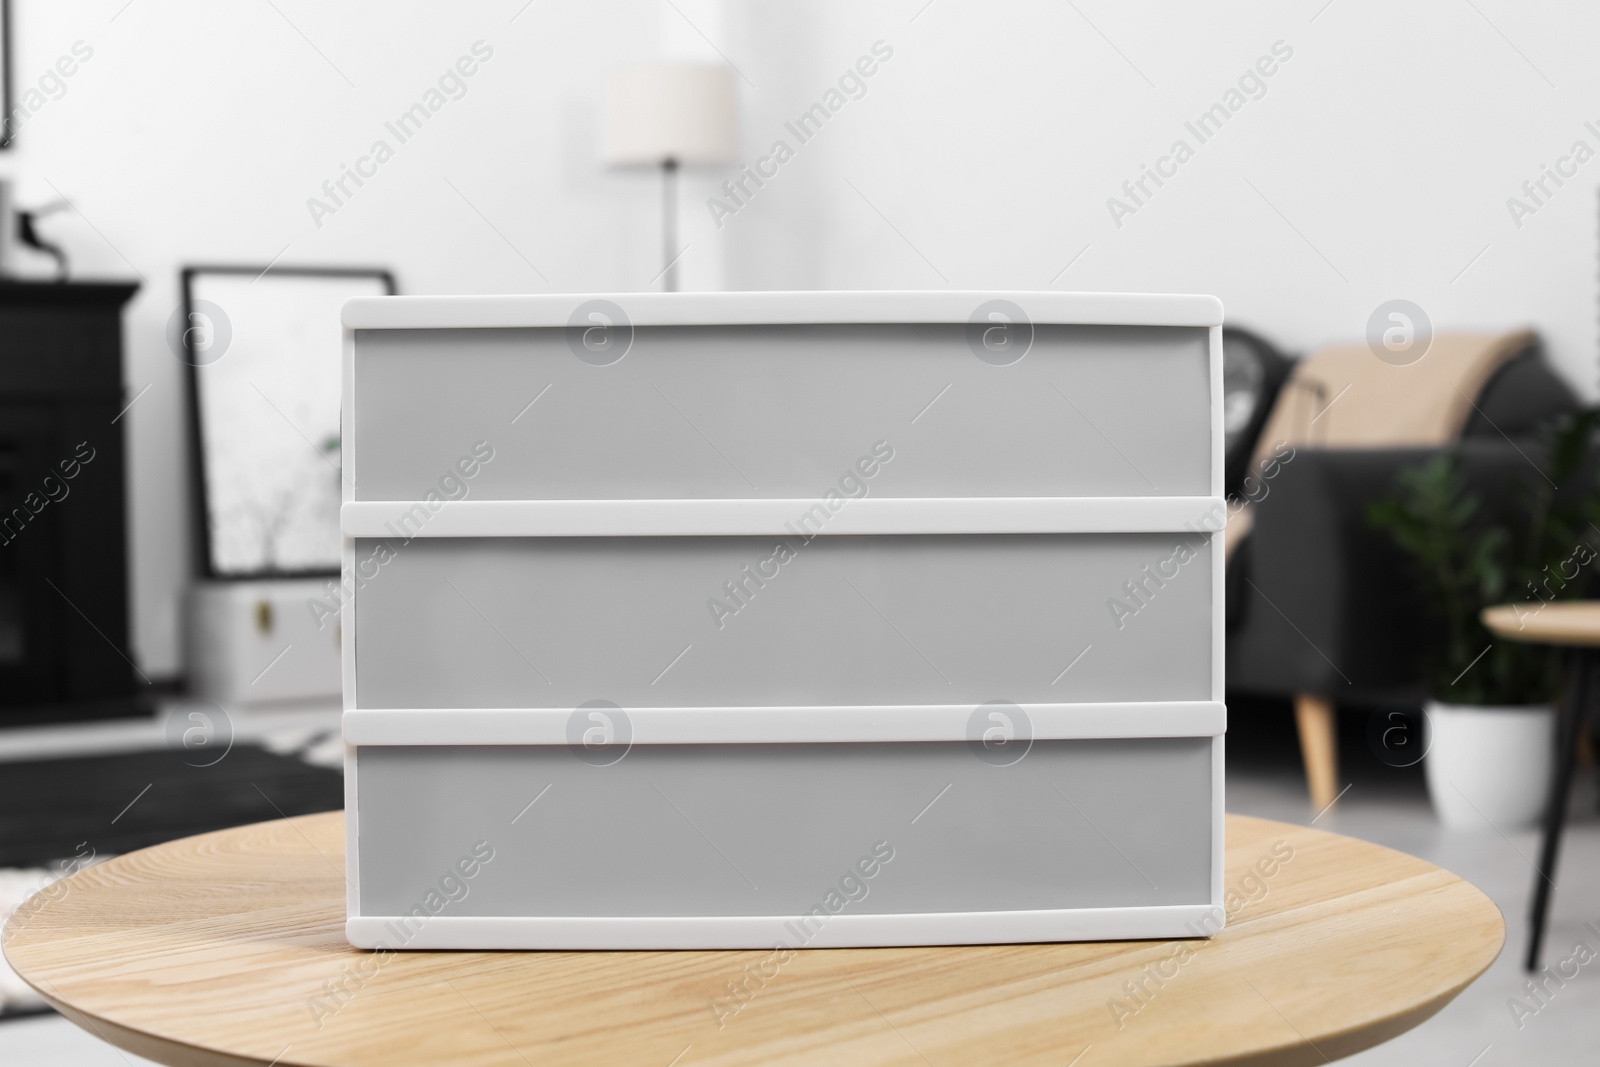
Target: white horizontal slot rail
783	725
782	308
796	517
742	931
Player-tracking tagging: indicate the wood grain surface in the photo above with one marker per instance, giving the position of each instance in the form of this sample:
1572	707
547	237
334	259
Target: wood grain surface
228	948
1571	623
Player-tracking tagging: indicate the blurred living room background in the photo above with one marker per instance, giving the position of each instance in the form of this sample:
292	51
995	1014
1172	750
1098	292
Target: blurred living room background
1368	188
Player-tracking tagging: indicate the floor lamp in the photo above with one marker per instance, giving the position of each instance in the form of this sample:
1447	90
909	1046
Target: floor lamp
671	116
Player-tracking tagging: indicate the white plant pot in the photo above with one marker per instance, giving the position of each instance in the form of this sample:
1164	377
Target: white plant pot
1489	765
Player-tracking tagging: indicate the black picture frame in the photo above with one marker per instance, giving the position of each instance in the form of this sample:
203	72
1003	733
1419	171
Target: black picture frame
205	557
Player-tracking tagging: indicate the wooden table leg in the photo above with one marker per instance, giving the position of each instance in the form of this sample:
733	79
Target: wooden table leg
1317	722
1574	715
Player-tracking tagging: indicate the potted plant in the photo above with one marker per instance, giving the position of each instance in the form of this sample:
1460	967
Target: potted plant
1491	716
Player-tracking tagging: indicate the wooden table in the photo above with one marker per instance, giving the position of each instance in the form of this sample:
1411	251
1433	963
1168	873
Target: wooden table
1573	625
228	948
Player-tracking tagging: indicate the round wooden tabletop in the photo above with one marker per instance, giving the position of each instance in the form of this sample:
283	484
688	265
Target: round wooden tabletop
228	948
1571	623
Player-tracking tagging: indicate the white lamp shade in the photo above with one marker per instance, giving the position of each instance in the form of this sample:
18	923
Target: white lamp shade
677	111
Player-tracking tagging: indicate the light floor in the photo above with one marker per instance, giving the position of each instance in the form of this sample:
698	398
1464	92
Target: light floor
1476	1030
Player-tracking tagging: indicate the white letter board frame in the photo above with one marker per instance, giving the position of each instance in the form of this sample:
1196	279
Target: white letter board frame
604	518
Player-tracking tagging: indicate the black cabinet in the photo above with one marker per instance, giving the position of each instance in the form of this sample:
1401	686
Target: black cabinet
63	524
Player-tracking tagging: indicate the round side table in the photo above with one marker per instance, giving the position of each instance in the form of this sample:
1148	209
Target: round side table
1573	625
228	948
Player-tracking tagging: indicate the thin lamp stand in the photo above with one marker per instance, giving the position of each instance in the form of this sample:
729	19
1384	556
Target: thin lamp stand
669	224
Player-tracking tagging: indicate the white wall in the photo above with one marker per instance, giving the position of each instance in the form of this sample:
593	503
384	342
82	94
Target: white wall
1377	165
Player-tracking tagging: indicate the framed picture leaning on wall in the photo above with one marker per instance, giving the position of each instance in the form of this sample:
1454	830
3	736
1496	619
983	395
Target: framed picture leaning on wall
263	348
